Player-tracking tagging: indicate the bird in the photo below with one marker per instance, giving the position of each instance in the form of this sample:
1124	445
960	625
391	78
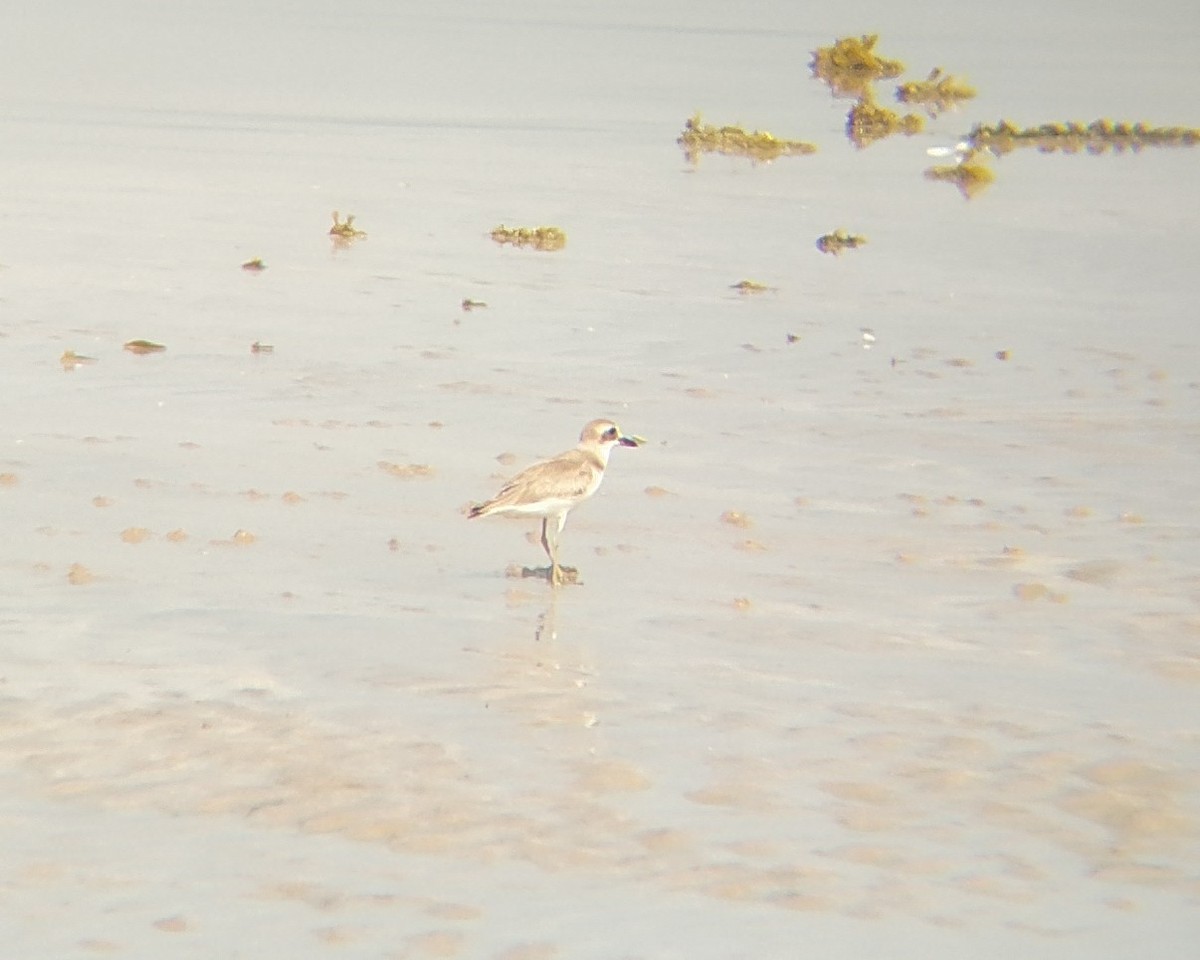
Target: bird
551	488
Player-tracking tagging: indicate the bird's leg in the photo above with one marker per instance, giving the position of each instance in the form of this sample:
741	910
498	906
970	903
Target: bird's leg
551	548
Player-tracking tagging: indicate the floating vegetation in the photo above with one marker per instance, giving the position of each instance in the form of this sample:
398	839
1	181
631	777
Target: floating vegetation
468	305
760	146
868	122
256	265
748	287
345	232
257	347
971	174
1100	136
838	241
144	346
937	92
70	360
540	238
851	65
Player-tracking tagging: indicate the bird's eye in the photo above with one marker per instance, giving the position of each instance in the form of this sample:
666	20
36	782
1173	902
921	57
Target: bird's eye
610	433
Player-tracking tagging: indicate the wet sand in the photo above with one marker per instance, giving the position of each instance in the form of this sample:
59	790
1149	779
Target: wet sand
886	645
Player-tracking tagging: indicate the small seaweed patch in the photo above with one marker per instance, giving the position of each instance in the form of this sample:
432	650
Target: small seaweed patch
254	266
70	360
1099	136
868	122
144	346
936	93
839	241
344	231
971	174
851	64
540	238
748	287
760	146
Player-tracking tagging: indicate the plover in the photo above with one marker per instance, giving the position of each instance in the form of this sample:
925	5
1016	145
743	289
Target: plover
550	488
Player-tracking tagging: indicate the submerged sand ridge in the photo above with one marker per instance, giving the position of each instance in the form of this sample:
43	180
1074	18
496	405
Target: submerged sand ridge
911	804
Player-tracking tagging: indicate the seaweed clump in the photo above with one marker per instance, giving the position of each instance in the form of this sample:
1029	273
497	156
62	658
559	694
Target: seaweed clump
540	238
144	346
851	65
760	146
70	360
936	93
748	287
838	241
868	122
971	174
1097	137
345	231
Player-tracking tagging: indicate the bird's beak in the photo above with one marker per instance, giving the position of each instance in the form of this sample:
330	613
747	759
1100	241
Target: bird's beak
631	441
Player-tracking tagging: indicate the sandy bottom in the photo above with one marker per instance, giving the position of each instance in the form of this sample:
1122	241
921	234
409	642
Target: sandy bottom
295	704
887	643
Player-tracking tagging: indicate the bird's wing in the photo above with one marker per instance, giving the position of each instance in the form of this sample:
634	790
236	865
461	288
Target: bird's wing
569	475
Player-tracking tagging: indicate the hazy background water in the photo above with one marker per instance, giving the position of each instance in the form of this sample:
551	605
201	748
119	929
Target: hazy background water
839	729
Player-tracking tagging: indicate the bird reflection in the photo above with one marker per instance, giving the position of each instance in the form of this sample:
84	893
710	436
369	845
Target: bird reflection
546	625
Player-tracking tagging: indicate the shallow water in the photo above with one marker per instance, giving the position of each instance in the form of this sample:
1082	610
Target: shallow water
936	694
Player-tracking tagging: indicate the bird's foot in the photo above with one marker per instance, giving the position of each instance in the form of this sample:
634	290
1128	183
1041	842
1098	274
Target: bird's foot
566	575
560	575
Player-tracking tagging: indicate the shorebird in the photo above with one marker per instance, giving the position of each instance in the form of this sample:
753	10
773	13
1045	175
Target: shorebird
550	488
